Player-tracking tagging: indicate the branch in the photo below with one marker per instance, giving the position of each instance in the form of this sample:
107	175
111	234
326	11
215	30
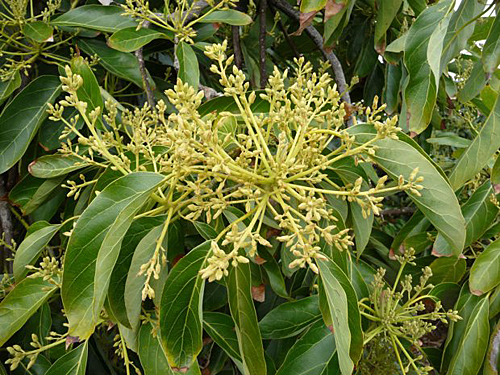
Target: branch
316	37
398	211
147	87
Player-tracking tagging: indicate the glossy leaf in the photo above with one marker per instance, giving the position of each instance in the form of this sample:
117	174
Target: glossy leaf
95	17
153	359
21	303
479	213
437	201
42	194
29	250
131	39
22	117
94	247
447	269
387	10
180	309
273	273
135	281
495	173
311	353
436	45
482	148
38	31
468	359
485	272
9	86
421	92
336	299
220	327
242	309
290	319
229	16
50	166
189	71
89	91
73	362
491	48
121	64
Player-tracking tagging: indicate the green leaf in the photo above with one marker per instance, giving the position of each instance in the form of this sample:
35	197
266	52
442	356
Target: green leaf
189	71
479	213
460	29
491	48
482	148
43	194
485	272
311	353
9	86
116	295
239	283
94	247
273	272
73	362
468	358
50	166
121	64
153	359
89	91
437	201
492	362
421	93
449	139
387	10
135	282
21	303
22	117
131	39
495	173
96	17
290	319
447	269
392	87
38	31
229	16
435	47
180	309
220	327
308	6
348	338
29	250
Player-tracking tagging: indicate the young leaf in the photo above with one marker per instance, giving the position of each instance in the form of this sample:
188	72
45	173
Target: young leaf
50	166
131	39
38	31
290	319
311	354
73	362
29	250
9	86
485	272
482	148
229	16
180	309
21	303
94	246
189	71
491	48
153	359
239	285
421	92
95	17
22	117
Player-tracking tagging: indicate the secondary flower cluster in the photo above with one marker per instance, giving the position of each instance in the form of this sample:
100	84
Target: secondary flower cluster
274	166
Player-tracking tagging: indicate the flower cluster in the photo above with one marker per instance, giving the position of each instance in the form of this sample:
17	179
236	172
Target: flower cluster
248	167
399	313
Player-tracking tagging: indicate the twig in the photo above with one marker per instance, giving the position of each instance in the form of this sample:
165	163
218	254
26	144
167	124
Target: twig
285	33
316	37
238	55
198	8
7	225
398	211
262	43
147	87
